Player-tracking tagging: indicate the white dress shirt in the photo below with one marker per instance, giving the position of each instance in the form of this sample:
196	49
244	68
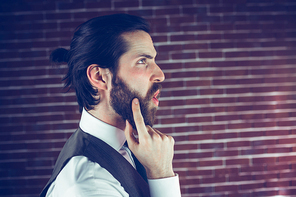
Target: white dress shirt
82	177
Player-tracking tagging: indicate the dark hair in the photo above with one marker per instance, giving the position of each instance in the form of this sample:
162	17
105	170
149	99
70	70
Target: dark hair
97	41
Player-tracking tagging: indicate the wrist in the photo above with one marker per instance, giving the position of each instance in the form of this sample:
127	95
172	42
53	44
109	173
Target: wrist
160	174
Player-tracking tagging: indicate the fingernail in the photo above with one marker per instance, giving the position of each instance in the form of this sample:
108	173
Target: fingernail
136	101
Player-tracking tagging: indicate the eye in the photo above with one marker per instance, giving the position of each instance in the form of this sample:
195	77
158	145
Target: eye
142	61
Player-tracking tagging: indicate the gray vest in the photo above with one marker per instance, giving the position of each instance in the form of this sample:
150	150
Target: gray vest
83	144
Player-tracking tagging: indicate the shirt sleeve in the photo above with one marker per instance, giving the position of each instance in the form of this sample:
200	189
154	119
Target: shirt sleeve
82	177
166	187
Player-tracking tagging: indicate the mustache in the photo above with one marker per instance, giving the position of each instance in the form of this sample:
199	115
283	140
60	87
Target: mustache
154	88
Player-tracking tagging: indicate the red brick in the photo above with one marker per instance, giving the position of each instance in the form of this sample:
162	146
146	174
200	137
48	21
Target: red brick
211	91
187	128
159	38
253	134
200	189
284	175
130	3
277	183
194	27
186	37
227	170
207	180
171	103
224	100
173	120
264	160
271	192
199	137
184	164
211	145
237	161
210	73
239	126
209	37
254	168
221	45
191	83
204	163
184	92
199	119
184	74
141	12
226	153
226	188
287	191
226	117
277	167
278	133
181	19
194	10
186	111
210	54
264	124
264	142
287	141
266	176
238	144
251	186
238	90
238	104
167	11
253	151
225	135
197	101
172	84
186	146
236	178
236	72
207	18
201	155
171	47
252	116
211	109
189	181
286	159
169	66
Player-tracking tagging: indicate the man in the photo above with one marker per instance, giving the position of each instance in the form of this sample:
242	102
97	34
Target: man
117	82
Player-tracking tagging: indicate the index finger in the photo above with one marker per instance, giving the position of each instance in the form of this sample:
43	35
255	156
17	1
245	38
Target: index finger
138	118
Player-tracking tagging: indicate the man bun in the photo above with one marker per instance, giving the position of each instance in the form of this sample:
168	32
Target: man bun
59	55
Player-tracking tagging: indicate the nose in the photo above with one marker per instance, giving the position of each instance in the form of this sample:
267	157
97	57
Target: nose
158	75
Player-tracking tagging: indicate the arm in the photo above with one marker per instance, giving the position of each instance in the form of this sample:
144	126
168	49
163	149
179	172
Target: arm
154	150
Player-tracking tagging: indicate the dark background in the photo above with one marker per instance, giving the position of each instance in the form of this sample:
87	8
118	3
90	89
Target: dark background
229	98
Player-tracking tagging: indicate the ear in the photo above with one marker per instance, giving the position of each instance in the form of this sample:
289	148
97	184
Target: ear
97	76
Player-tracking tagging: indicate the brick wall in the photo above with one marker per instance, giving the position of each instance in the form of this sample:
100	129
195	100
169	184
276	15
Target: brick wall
229	97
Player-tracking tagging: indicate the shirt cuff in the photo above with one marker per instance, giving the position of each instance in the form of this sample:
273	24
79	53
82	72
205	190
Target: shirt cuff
166	187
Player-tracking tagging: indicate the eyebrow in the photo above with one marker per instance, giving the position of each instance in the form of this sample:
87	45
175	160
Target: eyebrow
145	55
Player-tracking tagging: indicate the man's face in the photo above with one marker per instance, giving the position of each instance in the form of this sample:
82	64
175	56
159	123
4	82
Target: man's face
138	76
121	101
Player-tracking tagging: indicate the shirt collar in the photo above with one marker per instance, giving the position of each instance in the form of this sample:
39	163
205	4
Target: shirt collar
111	135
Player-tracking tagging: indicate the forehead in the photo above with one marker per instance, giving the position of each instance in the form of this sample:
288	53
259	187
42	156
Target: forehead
139	43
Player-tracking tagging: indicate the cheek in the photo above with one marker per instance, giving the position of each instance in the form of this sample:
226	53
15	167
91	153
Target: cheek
138	84
137	77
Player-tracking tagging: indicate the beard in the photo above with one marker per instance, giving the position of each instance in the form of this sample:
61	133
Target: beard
121	97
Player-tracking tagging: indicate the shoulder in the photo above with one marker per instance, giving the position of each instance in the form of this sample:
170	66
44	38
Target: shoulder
82	176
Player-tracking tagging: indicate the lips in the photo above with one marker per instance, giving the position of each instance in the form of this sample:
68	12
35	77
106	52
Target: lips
156	97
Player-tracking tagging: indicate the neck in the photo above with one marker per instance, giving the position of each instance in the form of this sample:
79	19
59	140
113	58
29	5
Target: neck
108	115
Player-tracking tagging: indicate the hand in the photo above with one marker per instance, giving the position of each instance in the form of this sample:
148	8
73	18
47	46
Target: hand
152	148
